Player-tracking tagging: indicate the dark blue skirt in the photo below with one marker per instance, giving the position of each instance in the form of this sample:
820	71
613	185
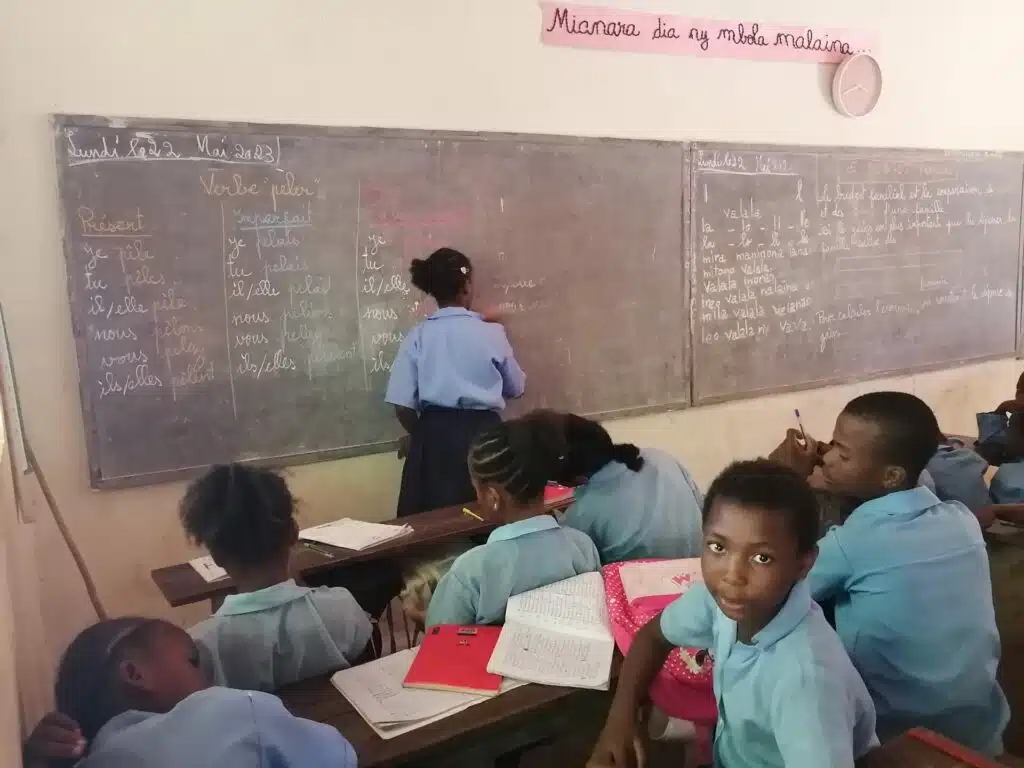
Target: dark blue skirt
436	474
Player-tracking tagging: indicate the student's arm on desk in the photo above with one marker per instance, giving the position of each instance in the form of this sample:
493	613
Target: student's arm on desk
688	621
1011	513
832	569
289	740
451	603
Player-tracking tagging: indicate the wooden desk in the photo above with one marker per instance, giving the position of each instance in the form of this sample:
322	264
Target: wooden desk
476	737
920	748
182	585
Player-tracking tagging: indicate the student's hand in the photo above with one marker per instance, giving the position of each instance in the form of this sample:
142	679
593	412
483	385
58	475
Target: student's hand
800	456
56	737
619	746
403	446
987	516
490	314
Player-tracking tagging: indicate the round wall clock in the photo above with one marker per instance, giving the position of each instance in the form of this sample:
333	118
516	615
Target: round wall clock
857	85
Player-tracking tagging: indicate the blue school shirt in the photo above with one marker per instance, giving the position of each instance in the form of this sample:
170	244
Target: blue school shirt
958	474
265	639
790	699
219	728
517	557
913	606
653	513
1008	484
454	359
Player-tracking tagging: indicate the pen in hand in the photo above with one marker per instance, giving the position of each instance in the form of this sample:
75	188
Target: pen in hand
800	424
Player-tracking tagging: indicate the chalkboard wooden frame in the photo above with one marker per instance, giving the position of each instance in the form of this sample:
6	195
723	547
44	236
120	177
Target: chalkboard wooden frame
59	122
895	153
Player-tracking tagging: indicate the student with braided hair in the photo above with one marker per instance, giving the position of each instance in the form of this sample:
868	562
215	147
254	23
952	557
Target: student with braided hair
509	466
632	503
449	382
273	631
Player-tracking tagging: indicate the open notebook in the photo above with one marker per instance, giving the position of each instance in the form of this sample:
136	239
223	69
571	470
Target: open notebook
354	534
557	635
376	692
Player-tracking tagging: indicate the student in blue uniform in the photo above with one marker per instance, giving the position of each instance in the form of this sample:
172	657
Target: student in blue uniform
449	382
273	631
131	693
788	696
509	466
633	503
909	575
958	474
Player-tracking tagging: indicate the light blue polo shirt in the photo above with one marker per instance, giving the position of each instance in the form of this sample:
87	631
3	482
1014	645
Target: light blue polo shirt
219	727
454	359
959	475
1008	484
913	606
517	557
262	640
790	699
653	513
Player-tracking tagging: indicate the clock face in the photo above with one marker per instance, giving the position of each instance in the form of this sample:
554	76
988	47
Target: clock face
857	85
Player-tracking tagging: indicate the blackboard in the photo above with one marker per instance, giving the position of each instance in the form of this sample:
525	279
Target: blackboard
239	292
813	266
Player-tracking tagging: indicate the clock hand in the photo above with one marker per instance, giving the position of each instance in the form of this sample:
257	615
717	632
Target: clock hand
850	90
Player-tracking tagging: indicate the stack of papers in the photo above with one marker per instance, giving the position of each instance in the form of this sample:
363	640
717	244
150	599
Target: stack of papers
375	691
558	635
208	569
354	534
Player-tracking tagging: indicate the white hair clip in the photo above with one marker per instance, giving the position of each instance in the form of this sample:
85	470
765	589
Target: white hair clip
464	270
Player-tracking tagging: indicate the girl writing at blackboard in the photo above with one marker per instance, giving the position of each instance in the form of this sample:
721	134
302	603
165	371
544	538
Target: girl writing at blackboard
449	383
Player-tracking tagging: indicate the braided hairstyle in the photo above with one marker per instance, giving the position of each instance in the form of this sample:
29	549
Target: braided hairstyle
518	456
243	516
444	275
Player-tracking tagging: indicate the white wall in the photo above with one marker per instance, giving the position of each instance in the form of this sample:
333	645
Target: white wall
951	70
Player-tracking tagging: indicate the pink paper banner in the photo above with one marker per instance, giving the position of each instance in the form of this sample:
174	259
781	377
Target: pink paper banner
582	26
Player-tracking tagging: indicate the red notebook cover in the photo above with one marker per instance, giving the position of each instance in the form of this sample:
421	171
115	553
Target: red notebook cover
555	492
453	658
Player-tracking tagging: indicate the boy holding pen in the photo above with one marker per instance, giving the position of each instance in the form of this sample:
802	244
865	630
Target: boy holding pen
909	575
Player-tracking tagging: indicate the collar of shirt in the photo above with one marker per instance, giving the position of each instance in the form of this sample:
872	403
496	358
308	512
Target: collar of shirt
610	472
452	312
116	725
262	599
909	502
522	528
793	611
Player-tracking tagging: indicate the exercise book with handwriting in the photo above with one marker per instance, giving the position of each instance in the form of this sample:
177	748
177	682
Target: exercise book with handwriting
557	635
376	691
